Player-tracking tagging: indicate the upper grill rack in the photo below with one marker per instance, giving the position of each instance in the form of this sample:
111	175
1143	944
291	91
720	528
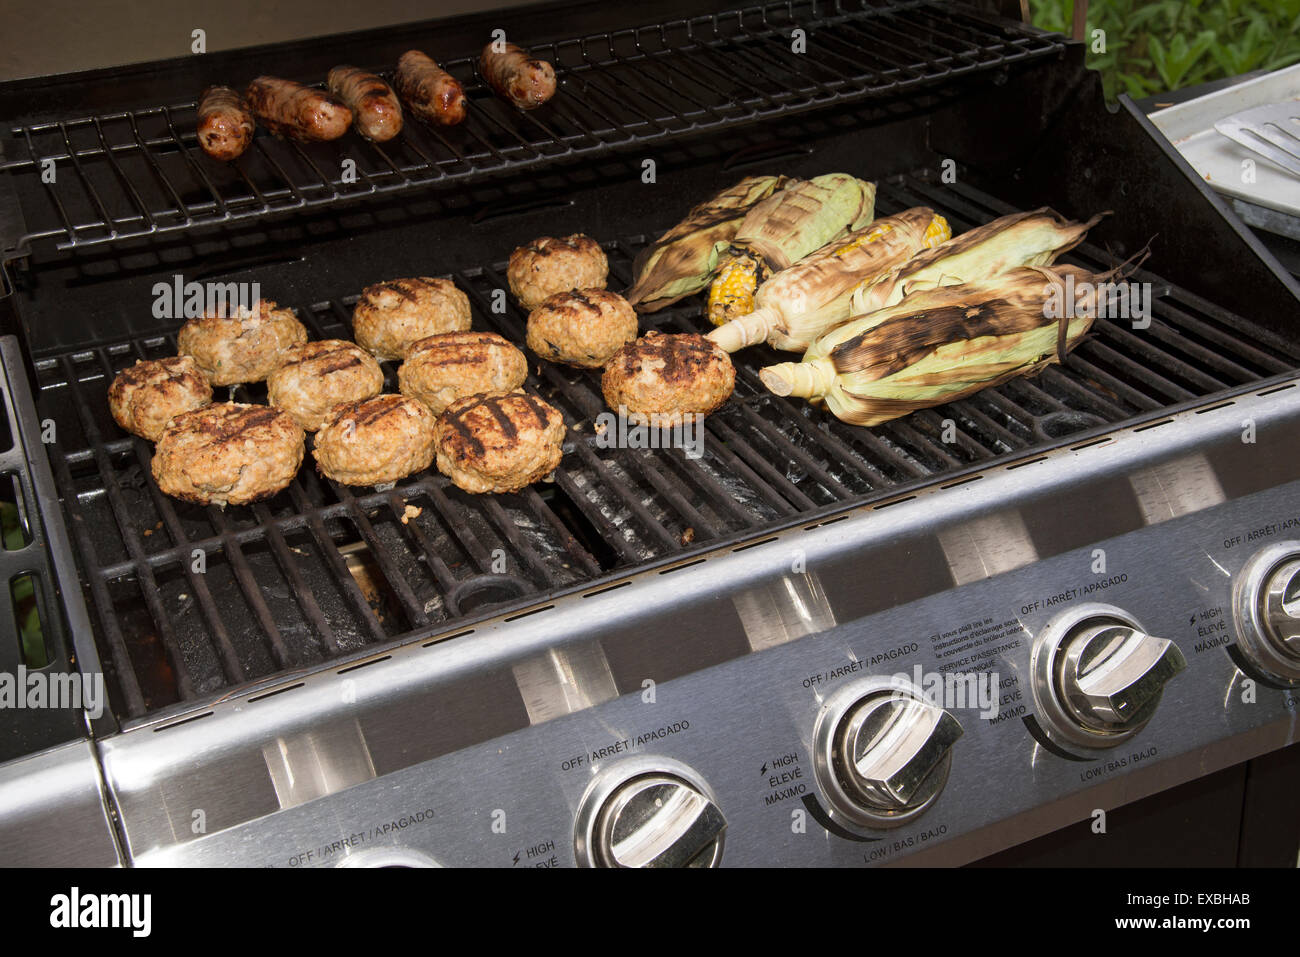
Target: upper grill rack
322	570
124	175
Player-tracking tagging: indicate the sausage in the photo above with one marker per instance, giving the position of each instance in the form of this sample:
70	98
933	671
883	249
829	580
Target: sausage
225	125
292	109
376	113
433	94
517	77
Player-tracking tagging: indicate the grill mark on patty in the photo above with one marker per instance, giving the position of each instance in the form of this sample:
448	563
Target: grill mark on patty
457	421
310	352
146	373
462	356
578	296
226	425
495	404
407	289
338	365
365	412
448	340
547	245
685	356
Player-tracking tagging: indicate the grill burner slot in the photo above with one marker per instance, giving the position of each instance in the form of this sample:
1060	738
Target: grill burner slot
289	581
366	572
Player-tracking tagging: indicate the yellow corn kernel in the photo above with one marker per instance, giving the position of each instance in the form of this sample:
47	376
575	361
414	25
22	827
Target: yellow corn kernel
732	292
937	232
870	236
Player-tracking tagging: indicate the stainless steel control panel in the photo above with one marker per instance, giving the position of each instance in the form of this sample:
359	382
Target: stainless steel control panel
936	731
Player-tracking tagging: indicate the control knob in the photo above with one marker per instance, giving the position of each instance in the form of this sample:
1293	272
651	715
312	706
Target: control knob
658	814
1266	609
1099	675
882	751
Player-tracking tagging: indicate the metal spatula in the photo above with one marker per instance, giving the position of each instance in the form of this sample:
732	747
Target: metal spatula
1272	131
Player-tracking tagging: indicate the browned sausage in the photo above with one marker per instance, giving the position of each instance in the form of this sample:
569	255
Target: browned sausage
517	77
292	109
225	125
376	113
433	94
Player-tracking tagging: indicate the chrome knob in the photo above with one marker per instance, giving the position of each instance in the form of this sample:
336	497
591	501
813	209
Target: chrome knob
1113	674
1266	609
645	815
883	752
1282	608
890	748
657	821
1099	675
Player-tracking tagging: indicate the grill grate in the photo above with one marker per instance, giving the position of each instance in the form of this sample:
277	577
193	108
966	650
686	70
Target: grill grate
130	174
322	570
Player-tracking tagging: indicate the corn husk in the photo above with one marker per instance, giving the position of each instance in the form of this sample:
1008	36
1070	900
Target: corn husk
789	225
1034	238
683	260
783	229
814	295
941	344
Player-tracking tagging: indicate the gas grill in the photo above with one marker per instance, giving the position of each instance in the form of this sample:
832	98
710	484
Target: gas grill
418	675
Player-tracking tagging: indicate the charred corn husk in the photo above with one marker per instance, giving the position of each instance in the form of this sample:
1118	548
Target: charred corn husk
781	230
790	224
814	295
1033	238
940	344
682	260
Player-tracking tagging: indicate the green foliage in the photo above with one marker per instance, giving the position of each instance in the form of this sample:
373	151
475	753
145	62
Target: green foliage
24	593
1156	47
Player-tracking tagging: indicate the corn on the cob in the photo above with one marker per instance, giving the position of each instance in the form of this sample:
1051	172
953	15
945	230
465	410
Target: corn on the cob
783	229
798	304
682	260
939	345
732	292
1032	238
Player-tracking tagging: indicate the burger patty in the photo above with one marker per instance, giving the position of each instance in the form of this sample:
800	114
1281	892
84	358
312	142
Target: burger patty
245	347
549	265
227	454
581	327
440	369
144	397
659	379
499	441
315	376
373	441
390	316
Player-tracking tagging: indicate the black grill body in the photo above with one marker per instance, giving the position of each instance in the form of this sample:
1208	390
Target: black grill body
298	581
322	574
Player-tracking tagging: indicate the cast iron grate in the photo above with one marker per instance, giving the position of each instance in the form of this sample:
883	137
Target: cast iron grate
322	570
130	174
